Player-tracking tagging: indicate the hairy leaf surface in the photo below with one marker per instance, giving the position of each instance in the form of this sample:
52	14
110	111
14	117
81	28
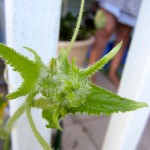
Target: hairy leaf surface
29	70
101	101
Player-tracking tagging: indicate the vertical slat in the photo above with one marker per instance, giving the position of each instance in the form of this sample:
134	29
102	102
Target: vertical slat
125	130
35	24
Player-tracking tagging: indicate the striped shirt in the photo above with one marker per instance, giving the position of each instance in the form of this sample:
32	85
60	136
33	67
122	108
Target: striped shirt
130	7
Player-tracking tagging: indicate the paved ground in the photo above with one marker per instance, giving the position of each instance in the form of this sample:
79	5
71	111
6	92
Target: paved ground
87	133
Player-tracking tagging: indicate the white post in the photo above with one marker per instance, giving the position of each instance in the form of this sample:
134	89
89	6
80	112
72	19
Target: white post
35	24
125	130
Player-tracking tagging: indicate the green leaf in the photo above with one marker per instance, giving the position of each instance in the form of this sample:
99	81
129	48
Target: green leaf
52	116
101	101
103	61
29	70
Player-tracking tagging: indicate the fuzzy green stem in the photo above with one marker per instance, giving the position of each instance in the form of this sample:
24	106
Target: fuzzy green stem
35	131
15	117
77	26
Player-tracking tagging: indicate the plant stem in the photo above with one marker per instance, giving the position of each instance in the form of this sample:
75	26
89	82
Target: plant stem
18	113
11	122
14	118
77	26
35	131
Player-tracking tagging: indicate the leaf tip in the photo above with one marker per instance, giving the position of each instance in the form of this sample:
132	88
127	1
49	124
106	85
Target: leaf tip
143	104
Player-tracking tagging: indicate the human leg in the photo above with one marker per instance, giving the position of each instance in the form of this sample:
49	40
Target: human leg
102	37
122	33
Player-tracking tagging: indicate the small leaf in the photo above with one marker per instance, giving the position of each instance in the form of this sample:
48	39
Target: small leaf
29	70
101	101
36	56
99	64
52	116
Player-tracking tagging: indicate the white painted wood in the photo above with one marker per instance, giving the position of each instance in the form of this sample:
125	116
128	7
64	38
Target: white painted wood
32	23
125	130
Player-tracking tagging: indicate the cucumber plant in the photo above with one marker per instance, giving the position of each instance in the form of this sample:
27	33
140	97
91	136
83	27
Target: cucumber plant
64	88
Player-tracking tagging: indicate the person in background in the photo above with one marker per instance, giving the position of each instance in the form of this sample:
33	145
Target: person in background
121	16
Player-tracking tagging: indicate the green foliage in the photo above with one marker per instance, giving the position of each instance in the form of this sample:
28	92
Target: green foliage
64	88
101	101
29	70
